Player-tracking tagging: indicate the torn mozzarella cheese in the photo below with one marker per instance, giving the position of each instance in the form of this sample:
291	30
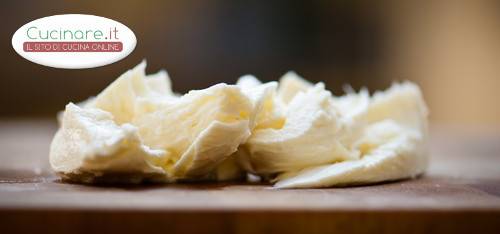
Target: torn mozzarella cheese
307	138
331	141
294	132
265	114
196	131
392	143
200	129
391	153
91	145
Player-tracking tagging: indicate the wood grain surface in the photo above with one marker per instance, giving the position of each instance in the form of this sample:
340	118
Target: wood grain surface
460	193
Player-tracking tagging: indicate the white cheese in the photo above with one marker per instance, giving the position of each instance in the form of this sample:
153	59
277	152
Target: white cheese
90	145
195	132
307	138
392	153
200	129
392	143
294	132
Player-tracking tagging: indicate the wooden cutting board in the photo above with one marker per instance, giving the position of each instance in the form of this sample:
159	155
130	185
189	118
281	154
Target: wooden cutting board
460	193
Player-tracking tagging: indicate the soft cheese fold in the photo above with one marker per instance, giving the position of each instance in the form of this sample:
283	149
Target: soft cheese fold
307	138
376	139
90	144
292	132
194	132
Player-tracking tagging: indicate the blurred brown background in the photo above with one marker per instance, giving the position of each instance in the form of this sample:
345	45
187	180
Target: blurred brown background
450	48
